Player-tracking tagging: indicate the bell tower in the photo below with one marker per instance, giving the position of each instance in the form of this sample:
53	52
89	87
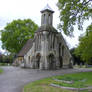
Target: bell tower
47	16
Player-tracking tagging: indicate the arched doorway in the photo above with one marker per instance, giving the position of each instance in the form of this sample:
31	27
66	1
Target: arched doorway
52	64
38	56
61	61
63	51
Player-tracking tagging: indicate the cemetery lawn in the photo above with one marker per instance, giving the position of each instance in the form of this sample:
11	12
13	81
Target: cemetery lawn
42	86
80	80
1	70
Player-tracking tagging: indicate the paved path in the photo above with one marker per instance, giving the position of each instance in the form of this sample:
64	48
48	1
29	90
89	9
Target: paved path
13	79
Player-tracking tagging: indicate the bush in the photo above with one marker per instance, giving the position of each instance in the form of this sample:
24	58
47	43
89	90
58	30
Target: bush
4	64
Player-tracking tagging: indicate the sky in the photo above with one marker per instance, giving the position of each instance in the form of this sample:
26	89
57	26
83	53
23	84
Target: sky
22	9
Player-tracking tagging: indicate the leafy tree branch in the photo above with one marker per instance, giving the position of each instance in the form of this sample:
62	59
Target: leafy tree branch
73	12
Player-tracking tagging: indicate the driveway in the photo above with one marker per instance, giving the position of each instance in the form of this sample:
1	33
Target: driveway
14	78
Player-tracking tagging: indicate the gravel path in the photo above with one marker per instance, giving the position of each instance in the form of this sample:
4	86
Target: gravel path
14	78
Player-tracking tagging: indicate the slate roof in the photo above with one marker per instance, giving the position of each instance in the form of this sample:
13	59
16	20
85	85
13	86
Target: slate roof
25	48
48	28
48	8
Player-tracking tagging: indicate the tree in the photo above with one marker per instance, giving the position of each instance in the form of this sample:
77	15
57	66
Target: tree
76	59
84	50
1	57
73	12
16	33
8	58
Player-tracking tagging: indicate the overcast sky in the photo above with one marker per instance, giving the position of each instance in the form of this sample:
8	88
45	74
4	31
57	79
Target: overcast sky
23	9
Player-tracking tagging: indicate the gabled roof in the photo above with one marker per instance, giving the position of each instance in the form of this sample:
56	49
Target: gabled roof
48	8
25	48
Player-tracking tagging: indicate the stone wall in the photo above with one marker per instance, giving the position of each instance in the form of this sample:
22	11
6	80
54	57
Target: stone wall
49	51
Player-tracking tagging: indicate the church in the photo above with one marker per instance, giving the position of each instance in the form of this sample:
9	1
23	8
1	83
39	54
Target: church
48	49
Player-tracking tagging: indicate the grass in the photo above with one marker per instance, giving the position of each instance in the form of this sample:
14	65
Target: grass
43	86
1	71
83	66
80	80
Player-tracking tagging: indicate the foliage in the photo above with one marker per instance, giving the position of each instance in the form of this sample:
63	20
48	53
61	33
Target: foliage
73	12
76	59
84	50
6	59
4	64
16	33
1	57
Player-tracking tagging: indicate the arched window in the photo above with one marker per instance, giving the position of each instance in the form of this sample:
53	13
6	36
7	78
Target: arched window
29	59
44	19
38	56
49	18
59	49
63	50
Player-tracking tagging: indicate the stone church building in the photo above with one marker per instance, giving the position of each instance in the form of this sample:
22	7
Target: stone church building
48	49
